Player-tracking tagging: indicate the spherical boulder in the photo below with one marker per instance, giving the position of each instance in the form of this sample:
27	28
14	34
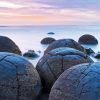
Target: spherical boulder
65	43
81	82
19	80
88	39
7	45
47	40
55	62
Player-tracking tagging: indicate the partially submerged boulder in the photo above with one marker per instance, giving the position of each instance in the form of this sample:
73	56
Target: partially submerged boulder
81	82
47	40
30	54
88	39
19	80
55	62
65	43
51	33
7	45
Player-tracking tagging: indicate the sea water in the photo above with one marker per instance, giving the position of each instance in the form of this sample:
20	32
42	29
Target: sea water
29	37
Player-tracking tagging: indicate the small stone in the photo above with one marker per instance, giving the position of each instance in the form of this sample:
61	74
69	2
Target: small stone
51	33
89	51
55	62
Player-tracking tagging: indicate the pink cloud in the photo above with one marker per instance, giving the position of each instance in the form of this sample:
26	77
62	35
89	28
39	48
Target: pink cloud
29	11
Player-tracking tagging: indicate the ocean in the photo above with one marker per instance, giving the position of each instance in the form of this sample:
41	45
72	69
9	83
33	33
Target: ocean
29	37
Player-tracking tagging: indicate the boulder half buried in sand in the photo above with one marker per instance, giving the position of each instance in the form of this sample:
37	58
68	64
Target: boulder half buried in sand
55	62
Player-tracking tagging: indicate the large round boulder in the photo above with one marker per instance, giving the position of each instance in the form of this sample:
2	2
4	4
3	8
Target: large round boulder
7	45
88	39
81	82
19	80
65	43
55	62
47	40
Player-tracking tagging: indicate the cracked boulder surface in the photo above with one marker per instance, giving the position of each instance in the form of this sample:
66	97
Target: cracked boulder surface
81	82
7	45
65	43
55	62
19	80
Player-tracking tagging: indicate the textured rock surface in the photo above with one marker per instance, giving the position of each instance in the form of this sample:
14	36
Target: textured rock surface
47	40
19	80
81	82
52	64
65	43
7	45
88	39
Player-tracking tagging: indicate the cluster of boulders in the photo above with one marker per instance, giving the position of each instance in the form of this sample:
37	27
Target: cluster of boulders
65	72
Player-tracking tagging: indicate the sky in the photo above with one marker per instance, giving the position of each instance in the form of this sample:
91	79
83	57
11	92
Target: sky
49	12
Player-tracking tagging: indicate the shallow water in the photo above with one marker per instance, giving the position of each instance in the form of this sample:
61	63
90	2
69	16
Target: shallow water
29	37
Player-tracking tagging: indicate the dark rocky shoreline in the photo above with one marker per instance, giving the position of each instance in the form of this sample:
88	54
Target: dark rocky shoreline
36	83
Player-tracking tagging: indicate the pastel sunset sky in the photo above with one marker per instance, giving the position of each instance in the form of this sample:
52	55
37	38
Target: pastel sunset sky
49	12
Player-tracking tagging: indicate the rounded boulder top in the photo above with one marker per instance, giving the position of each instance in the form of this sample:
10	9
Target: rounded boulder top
55	62
47	40
65	43
7	45
88	39
51	33
19	80
81	82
